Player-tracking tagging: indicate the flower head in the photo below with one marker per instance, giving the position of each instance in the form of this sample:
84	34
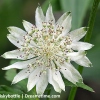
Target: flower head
46	50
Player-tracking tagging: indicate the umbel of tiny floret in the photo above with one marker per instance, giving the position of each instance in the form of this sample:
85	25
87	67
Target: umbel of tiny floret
46	50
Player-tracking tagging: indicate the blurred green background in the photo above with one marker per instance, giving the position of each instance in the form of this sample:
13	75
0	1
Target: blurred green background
12	12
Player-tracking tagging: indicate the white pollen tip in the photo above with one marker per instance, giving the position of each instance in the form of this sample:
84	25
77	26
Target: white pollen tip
28	89
13	82
3	69
3	55
23	21
9	28
63	89
92	45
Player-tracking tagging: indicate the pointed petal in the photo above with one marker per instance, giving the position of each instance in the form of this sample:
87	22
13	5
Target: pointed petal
74	72
81	46
11	54
76	55
57	77
62	18
49	15
70	73
16	32
67	74
53	82
27	25
22	75
33	78
77	34
20	42
17	54
84	61
14	40
66	24
20	65
39	17
42	83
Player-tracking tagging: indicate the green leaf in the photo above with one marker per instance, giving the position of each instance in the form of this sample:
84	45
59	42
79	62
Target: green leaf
78	9
22	85
82	85
10	89
5	90
9	75
78	84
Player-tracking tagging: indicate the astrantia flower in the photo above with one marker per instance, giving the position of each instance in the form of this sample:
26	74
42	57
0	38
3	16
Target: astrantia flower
46	50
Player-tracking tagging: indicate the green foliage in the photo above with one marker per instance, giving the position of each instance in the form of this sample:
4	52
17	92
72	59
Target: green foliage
9	75
82	85
55	4
78	9
78	84
10	89
5	90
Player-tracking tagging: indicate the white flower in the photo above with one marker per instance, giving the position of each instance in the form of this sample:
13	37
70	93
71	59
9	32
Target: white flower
46	50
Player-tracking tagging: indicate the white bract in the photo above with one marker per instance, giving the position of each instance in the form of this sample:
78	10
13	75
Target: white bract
46	50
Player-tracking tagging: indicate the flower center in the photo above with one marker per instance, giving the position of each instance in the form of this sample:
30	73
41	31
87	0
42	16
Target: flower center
47	44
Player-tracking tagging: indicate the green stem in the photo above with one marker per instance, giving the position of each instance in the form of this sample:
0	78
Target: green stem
91	20
87	39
